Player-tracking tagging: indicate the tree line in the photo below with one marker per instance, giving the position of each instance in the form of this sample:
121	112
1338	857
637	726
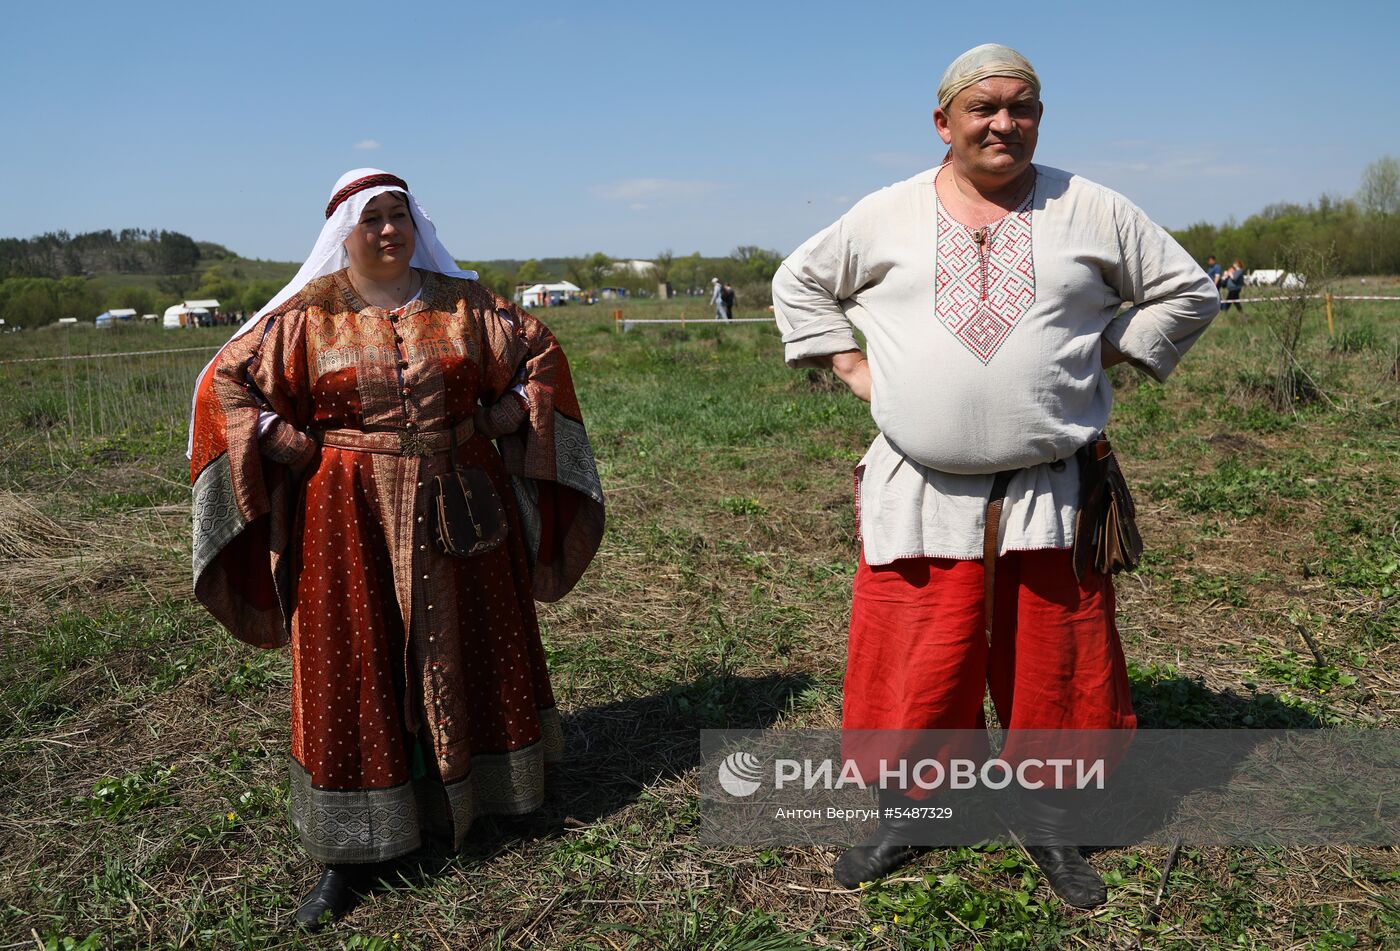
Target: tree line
59	254
59	275
1361	234
748	268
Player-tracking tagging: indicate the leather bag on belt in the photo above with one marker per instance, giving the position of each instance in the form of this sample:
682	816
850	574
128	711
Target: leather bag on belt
1105	528
470	518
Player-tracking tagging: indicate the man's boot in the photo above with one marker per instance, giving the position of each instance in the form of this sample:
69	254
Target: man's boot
330	898
1047	815
889	847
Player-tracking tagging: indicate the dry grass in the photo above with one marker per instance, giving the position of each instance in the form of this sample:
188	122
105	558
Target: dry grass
719	599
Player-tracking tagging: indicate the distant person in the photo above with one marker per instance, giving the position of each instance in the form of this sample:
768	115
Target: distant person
1213	269
1233	283
726	300
717	297
326	516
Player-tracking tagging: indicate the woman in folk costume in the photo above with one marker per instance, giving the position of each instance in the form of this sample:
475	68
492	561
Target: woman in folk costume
420	697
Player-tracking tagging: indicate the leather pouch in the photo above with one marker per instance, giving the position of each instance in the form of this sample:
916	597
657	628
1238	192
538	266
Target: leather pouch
470	518
1105	531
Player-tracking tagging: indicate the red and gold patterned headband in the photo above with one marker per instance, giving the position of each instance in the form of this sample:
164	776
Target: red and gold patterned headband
359	185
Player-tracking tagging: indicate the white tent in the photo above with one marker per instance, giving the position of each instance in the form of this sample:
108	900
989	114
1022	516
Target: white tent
109	317
537	295
174	316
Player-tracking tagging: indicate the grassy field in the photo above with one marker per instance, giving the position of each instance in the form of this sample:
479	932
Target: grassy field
142	750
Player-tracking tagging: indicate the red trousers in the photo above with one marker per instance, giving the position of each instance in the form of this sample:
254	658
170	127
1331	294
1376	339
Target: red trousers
918	656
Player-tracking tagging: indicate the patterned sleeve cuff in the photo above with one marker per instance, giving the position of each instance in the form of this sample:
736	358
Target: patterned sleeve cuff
283	443
504	416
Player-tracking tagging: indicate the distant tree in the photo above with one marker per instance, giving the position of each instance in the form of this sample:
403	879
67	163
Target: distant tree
590	272
756	265
502	282
661	265
530	273
256	294
32	301
690	272
175	253
1379	193
140	299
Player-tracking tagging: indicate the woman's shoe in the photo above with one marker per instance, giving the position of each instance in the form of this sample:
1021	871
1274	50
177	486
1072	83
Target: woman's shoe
329	899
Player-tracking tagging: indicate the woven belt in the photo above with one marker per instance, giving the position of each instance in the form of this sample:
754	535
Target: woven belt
398	442
989	543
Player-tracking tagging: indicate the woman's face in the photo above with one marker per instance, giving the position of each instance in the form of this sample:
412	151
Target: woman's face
383	240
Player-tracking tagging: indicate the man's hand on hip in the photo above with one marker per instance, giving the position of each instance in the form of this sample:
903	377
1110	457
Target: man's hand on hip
854	370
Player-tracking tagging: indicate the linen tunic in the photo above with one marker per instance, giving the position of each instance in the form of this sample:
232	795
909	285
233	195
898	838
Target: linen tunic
392	641
985	362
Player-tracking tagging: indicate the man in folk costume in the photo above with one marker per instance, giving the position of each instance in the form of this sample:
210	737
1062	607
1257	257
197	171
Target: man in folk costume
989	293
324	435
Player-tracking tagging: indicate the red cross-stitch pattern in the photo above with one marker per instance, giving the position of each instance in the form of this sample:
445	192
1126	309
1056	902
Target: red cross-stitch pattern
983	325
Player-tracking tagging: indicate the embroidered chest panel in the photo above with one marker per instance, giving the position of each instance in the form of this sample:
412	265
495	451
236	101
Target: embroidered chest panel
983	290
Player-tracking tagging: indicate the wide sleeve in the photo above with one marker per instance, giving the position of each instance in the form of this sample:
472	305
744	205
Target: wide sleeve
1172	300
531	409
243	495
808	290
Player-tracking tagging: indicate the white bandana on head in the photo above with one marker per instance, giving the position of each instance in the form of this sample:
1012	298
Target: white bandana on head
351	193
980	62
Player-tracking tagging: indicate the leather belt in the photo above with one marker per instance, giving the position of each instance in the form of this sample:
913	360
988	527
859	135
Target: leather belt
398	442
989	543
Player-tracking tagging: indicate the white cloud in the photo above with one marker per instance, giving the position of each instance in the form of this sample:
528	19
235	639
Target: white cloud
632	190
365	145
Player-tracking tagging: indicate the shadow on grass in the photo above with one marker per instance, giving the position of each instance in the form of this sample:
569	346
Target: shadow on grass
614	751
1165	700
1191	767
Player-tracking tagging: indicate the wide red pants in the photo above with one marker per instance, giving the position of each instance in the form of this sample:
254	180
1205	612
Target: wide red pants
918	656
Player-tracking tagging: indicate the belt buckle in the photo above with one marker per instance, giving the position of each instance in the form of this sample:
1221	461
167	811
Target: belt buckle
414	443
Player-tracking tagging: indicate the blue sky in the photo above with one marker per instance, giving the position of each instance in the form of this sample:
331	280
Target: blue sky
541	129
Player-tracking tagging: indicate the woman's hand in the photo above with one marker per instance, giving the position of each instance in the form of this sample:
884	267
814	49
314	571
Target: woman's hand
854	371
504	416
282	442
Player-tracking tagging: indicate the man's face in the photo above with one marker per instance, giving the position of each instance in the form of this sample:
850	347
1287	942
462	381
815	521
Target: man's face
992	127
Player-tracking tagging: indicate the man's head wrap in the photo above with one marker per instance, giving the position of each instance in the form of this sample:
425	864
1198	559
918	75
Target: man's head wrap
989	59
355	189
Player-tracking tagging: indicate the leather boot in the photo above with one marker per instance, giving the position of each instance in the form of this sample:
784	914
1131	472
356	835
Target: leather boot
887	848
1071	877
330	898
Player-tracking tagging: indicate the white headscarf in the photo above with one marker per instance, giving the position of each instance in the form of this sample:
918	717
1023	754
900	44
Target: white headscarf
328	255
980	62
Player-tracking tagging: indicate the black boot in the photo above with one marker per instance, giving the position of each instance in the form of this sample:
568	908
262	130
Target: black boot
330	898
889	847
1071	877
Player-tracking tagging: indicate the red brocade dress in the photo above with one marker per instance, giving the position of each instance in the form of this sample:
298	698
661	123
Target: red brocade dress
420	697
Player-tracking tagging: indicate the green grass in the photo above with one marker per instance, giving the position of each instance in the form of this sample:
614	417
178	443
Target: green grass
143	751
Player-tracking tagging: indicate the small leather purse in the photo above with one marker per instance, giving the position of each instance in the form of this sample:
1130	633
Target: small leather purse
470	518
1105	527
